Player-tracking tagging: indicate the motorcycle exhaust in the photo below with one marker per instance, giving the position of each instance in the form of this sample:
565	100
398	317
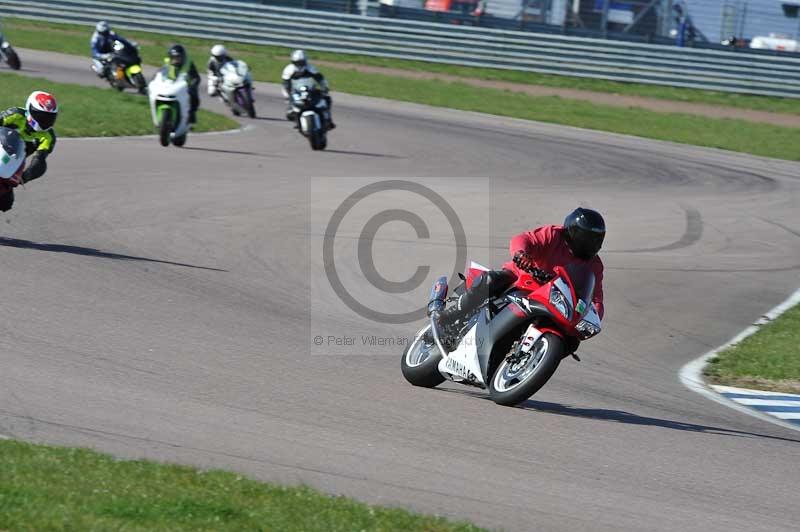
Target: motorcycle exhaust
436	305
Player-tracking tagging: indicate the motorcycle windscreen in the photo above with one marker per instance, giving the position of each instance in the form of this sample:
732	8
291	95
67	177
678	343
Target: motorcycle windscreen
583	282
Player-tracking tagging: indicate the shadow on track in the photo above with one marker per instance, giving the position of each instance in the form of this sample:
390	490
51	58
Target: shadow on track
269	119
217	150
364	154
91	252
620	416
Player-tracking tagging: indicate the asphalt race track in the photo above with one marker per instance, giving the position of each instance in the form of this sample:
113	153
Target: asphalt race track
160	303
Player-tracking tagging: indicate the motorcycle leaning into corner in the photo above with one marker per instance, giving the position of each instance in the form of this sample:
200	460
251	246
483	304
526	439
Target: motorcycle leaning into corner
512	344
169	107
310	111
8	54
12	160
236	88
124	68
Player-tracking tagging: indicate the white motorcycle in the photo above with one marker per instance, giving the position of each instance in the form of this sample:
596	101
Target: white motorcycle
12	161
169	106
236	88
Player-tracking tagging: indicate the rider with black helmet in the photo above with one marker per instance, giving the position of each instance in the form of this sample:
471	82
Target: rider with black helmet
178	62
578	240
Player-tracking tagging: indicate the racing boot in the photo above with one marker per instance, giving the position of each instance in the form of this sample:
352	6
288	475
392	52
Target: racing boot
329	122
449	316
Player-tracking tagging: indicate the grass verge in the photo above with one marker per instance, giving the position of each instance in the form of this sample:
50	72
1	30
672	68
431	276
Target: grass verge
93	112
767	360
266	63
52	488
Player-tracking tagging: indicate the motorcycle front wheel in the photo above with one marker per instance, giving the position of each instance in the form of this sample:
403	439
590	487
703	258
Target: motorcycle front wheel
318	140
165	128
140	83
420	362
249	107
518	378
12	59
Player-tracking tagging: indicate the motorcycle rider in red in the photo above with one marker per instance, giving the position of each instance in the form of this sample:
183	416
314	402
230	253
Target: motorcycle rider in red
577	240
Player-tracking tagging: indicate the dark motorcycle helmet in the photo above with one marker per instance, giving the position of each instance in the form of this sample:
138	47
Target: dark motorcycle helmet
177	56
584	231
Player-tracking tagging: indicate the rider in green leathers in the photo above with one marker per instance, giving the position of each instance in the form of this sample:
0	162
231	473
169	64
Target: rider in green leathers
178	62
34	123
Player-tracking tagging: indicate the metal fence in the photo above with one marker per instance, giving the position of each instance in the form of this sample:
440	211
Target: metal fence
698	23
251	22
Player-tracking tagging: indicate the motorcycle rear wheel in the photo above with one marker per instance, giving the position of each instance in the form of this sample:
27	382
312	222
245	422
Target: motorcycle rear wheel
514	382
420	362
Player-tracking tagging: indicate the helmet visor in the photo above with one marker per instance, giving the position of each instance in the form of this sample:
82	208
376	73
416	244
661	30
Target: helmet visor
585	243
43	119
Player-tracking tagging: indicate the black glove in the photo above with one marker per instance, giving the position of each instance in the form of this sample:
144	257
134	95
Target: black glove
541	276
523	260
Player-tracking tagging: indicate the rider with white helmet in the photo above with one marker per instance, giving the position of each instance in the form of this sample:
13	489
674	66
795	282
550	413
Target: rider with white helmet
34	123
219	56
300	68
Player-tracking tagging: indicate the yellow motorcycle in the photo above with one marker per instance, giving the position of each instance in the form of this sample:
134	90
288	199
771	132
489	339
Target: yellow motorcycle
125	68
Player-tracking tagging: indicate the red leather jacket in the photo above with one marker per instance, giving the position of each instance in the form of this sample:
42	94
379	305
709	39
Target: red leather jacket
547	247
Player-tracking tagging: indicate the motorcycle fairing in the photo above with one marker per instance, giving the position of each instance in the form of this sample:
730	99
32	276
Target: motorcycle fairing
592	316
491	330
463	362
309	120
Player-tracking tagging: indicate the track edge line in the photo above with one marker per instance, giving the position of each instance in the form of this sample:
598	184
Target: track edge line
691	374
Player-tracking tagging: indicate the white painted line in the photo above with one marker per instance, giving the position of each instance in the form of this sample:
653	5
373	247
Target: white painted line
691	374
786	415
731	389
767	402
243	129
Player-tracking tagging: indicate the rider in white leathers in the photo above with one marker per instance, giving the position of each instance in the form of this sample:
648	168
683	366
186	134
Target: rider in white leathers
219	56
301	68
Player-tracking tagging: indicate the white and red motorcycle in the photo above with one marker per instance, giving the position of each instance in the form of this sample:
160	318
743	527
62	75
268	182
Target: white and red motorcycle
12	161
511	344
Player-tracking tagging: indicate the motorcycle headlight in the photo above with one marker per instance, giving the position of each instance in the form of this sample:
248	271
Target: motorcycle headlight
558	300
586	330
